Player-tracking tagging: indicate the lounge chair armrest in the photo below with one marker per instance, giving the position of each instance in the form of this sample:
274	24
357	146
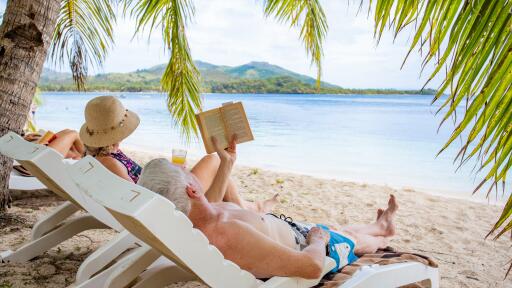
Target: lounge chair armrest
289	282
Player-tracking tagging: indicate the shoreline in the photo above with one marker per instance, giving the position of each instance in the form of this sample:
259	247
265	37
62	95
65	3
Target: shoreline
434	192
391	92
357	150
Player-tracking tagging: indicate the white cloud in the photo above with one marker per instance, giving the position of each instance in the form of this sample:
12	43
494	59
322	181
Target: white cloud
236	32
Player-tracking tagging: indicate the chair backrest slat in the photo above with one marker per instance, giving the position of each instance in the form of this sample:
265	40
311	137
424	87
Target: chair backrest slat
50	168
154	220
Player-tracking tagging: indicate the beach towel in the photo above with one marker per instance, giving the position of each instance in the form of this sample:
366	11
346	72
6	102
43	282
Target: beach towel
382	257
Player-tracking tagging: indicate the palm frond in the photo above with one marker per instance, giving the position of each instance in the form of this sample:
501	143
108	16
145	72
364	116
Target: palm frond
83	36
309	15
473	41
181	77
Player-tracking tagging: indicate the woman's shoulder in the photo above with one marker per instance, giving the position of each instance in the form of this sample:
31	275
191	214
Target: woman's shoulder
109	161
113	165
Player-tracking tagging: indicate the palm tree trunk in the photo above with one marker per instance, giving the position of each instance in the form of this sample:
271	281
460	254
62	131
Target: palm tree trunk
25	36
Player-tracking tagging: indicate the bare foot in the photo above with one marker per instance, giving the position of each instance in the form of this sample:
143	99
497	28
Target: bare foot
392	204
379	213
386	219
267	205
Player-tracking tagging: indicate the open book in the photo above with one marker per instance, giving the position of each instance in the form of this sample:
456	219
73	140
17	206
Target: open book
222	123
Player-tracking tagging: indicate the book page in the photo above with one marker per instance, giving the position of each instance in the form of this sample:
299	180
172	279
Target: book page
236	122
213	125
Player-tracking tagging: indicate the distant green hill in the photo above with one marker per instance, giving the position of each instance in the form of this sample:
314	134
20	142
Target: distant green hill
253	77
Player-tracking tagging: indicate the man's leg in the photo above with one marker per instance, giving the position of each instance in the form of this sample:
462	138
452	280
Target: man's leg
380	211
371	237
205	171
384	226
367	244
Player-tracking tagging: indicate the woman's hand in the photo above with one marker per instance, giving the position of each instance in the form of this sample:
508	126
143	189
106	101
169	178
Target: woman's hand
228	154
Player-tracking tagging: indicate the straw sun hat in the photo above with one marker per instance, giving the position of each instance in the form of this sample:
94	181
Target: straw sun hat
107	122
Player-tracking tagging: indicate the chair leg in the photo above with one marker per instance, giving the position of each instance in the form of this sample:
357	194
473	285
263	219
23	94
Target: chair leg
104	255
162	275
434	277
53	219
68	229
124	271
101	278
125	274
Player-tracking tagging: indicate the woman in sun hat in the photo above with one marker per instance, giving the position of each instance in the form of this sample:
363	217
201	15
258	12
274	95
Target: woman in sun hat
107	124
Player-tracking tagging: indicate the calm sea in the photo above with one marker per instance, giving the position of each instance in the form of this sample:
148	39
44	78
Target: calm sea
382	139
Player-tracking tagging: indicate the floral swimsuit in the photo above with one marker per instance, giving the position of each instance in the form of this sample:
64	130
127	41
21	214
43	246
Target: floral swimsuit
133	168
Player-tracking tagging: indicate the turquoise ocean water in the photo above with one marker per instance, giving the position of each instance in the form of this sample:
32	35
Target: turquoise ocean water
381	139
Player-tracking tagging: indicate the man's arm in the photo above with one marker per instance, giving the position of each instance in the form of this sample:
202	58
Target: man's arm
220	182
264	257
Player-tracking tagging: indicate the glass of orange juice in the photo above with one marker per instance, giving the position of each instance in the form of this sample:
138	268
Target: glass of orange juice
179	156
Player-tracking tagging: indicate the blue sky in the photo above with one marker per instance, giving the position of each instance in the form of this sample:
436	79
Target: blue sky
236	32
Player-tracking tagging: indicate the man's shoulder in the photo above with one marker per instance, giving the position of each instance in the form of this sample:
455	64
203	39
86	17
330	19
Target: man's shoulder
228	231
229	226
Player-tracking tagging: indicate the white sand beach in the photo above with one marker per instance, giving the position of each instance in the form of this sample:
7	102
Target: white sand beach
451	231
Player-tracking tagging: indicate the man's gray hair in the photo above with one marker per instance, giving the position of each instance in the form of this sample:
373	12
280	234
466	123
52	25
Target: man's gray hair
161	176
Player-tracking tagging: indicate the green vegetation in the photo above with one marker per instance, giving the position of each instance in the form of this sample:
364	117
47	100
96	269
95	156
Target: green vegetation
5	284
288	85
254	77
83	36
470	43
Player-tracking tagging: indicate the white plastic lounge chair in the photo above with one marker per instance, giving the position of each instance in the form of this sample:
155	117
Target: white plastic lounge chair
393	275
57	226
49	167
142	212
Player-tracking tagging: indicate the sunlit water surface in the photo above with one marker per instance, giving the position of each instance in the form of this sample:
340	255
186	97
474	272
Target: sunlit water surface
382	139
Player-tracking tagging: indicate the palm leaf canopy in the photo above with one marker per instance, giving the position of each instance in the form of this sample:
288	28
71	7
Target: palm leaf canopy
83	36
310	16
472	40
181	77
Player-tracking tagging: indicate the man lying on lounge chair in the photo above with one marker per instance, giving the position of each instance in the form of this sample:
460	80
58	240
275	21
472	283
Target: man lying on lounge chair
265	244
